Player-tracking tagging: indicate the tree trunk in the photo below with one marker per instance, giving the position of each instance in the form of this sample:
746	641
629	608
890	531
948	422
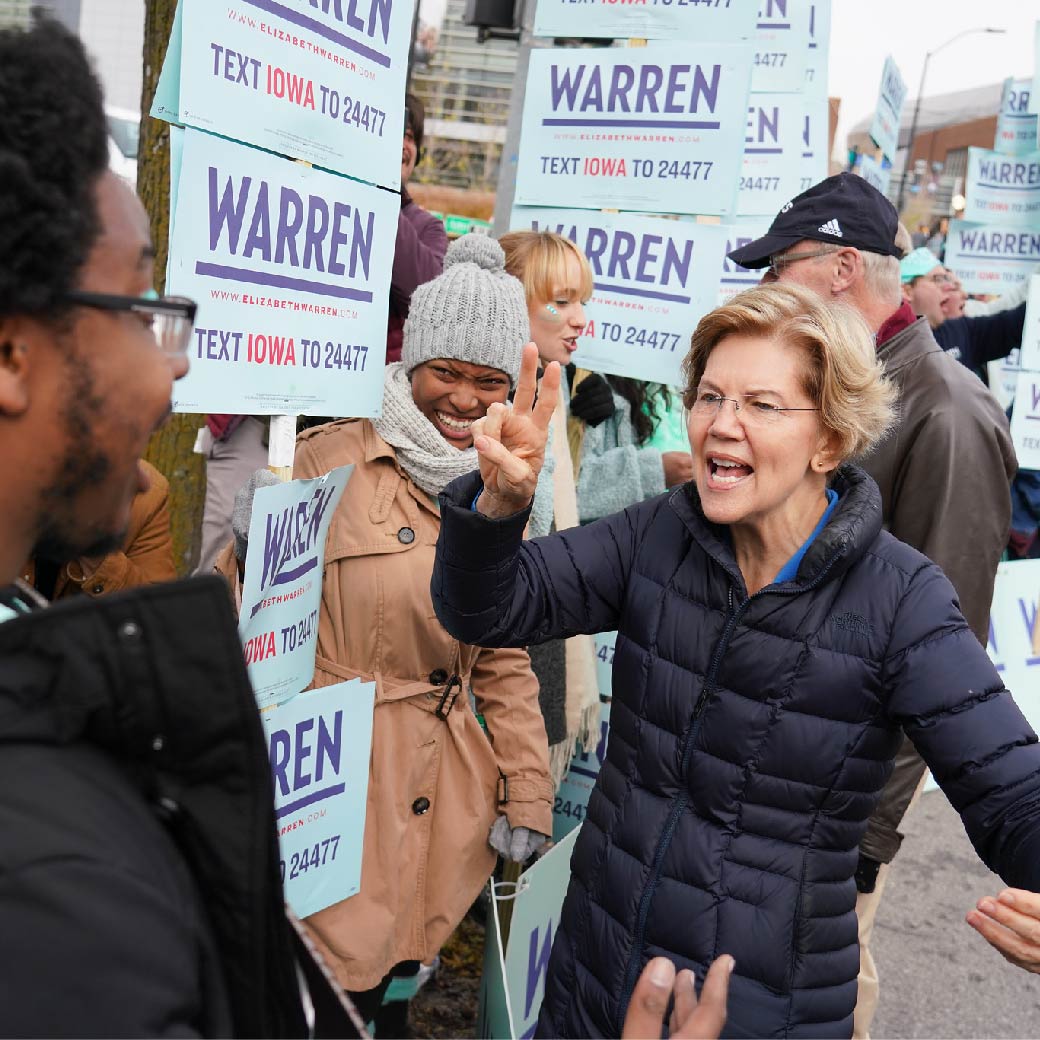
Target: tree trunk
170	449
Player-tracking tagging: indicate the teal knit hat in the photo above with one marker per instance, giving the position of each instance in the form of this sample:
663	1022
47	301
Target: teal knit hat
917	264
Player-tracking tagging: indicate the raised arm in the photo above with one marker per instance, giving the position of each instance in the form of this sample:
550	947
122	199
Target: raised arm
491	589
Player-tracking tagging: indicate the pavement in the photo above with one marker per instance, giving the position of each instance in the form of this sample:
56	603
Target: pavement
939	977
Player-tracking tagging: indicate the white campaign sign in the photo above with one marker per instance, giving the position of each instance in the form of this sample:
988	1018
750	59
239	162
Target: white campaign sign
774	150
1013	633
1030	357
782	37
653	283
654	129
722	22
1016	125
291	269
990	258
1003	189
1025	420
876	175
732	277
891	95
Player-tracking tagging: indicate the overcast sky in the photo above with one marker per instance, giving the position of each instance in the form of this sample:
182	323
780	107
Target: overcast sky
863	33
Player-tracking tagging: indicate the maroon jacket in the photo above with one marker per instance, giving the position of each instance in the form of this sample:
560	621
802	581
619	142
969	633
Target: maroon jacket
418	257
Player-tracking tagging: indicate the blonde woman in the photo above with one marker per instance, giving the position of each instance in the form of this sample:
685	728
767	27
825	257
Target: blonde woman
774	645
612	418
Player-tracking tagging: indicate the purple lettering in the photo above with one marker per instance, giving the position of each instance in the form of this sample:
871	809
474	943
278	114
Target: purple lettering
303	752
617	100
317	226
259	237
702	88
288	227
594	91
279	754
537	963
675	88
650	79
352	19
647	257
624	247
330	746
380	9
361	245
564	84
275	546
227	211
676	264
596	242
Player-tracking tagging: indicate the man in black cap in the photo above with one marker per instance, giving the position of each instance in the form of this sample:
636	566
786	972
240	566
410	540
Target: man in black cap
944	472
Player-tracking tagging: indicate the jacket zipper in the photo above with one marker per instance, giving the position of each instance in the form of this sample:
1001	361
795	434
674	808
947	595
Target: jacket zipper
681	799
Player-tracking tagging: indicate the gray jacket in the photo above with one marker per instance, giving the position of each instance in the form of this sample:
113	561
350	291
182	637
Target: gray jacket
615	472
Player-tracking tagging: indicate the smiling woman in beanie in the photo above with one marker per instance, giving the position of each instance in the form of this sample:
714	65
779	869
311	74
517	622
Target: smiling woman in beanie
442	796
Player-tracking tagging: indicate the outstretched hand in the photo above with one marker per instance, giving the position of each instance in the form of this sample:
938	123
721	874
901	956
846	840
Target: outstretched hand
510	441
1011	925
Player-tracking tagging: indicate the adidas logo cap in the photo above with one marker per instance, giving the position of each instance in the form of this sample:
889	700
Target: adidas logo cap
843	209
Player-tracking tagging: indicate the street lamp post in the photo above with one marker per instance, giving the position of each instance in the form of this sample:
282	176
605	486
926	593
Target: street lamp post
917	106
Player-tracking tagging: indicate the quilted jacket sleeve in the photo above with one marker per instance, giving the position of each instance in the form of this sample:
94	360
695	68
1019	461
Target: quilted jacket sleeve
490	588
949	699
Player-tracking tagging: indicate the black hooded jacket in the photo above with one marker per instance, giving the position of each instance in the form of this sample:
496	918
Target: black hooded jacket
139	885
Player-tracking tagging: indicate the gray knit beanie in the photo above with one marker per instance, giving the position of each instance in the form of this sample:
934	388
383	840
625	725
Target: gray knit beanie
472	312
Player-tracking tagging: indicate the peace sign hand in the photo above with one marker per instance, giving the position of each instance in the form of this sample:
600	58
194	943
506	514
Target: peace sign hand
510	441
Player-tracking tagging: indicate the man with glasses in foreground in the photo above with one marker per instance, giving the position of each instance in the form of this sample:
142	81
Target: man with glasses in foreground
139	878
944	472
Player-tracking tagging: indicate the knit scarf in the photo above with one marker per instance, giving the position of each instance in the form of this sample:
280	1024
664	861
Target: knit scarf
429	460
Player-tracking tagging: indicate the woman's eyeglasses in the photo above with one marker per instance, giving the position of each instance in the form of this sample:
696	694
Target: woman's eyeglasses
751	410
170	318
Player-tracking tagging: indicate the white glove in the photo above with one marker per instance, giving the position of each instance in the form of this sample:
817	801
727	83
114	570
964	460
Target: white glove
518	844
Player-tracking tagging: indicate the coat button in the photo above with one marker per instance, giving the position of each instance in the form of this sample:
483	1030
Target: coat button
406	536
438	677
420	806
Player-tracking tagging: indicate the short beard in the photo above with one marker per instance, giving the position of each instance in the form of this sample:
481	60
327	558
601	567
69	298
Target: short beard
62	535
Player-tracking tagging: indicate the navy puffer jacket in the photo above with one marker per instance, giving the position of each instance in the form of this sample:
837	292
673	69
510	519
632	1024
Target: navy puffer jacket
750	738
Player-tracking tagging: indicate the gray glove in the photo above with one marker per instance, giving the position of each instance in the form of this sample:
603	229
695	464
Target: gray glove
242	510
518	844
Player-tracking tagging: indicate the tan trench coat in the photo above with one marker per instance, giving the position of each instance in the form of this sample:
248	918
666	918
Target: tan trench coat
146	556
434	782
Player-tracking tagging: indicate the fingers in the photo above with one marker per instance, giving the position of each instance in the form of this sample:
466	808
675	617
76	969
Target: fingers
649	1002
708	1015
548	396
685	993
491	423
514	473
527	384
1014	934
1022	900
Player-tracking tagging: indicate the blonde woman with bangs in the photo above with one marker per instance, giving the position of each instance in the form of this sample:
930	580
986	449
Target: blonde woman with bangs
612	418
774	645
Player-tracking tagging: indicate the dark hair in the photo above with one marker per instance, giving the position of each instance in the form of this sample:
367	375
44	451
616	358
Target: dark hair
643	399
53	149
414	118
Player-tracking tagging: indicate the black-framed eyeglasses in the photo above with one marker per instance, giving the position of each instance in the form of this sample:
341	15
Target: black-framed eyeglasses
752	410
170	318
